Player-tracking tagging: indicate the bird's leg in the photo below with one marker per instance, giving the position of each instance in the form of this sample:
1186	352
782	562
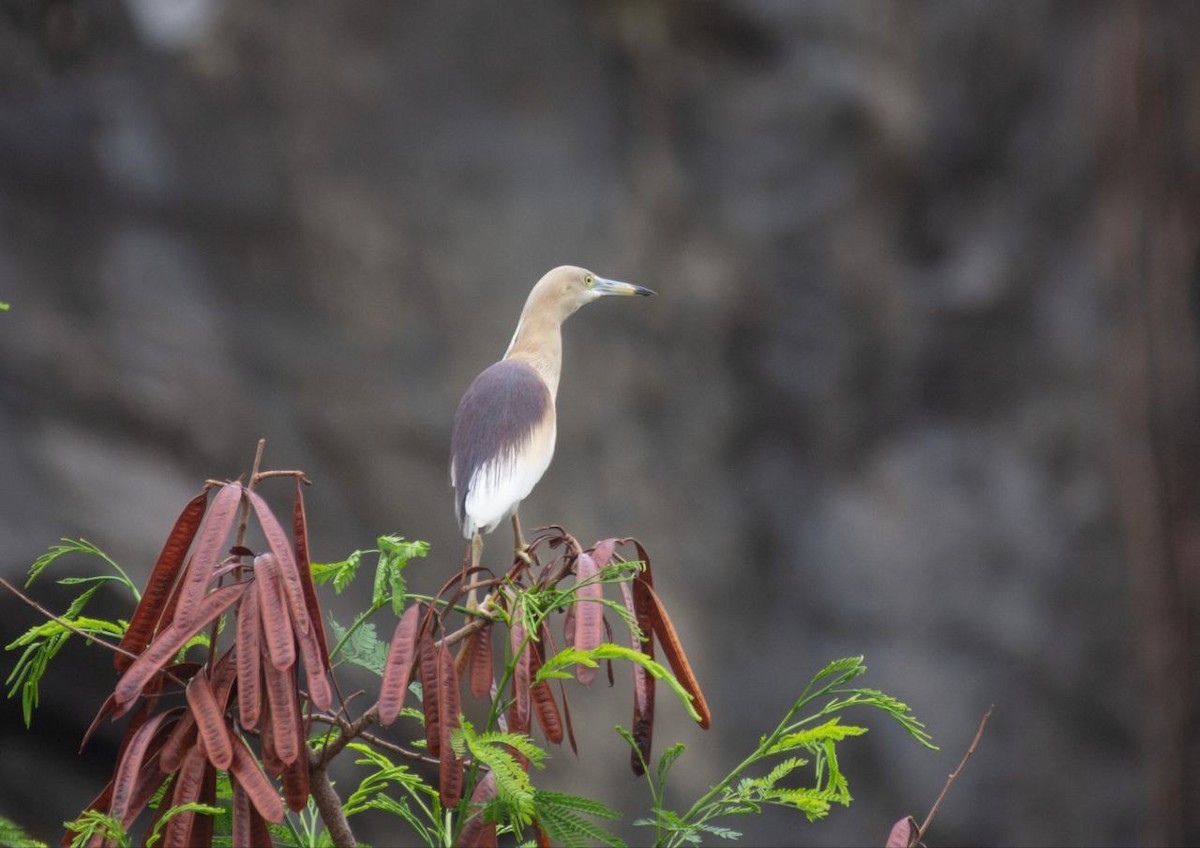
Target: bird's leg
476	554
520	549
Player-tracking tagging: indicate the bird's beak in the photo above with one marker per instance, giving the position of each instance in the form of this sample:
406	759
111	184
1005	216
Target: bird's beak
603	286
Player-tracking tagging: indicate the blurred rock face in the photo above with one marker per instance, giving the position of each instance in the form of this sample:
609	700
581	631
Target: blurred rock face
866	414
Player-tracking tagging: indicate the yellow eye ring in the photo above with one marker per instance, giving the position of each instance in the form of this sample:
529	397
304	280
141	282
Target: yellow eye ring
589	280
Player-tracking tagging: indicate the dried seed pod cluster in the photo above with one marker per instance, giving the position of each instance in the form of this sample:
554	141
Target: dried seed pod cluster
269	668
278	635
530	699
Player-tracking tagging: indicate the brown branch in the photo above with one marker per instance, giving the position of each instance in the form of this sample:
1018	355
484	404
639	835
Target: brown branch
62	621
92	637
357	730
350	730
953	775
329	805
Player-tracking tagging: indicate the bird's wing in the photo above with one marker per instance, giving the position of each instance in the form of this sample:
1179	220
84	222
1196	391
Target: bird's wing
502	443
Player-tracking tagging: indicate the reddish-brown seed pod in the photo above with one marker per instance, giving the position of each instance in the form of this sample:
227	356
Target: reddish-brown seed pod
304	567
285	715
241	808
182	738
289	574
168	642
295	782
315	659
162	579
479	661
272	610
256	784
266	740
187	788
398	670
104	712
477	833
248	660
100	802
206	554
210	722
130	764
202	825
451	772
427	670
544	706
149	781
589	613
519	714
645	596
642	729
223	677
569	626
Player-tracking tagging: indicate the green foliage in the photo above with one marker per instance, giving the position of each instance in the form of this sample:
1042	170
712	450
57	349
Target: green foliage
418	804
156	833
86	548
42	642
4	307
12	836
340	574
360	646
394	553
800	741
794	767
556	665
563	817
95	823
513	787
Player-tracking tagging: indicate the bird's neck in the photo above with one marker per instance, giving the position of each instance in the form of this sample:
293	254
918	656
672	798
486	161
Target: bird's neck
538	342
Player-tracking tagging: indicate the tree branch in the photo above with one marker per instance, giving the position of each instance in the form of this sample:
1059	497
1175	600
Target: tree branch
953	775
330	807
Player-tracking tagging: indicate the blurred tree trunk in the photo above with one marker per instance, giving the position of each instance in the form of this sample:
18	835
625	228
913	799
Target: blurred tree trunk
1149	228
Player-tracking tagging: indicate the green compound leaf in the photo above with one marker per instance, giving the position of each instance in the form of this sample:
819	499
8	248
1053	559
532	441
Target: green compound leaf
563	819
363	648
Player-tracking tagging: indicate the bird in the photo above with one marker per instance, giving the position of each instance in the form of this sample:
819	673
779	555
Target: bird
505	427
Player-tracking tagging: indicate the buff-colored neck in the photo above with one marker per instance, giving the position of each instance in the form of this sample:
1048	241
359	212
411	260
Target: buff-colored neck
538	341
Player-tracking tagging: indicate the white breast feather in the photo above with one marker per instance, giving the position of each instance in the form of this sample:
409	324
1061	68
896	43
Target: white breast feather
497	487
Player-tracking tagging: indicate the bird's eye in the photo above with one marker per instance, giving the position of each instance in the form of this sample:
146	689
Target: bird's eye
589	280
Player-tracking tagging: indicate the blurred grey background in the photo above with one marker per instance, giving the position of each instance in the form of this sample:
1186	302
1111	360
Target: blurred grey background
921	382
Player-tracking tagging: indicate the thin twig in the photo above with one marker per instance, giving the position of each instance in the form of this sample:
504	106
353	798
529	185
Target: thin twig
953	775
267	475
349	730
360	733
91	637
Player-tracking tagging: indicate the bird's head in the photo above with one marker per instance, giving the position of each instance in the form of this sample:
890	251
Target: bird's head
566	288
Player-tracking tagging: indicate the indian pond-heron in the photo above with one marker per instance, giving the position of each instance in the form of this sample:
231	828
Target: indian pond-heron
504	429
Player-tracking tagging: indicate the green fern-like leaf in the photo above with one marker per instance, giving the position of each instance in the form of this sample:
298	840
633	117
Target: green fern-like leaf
394	554
95	823
13	836
490	750
556	666
363	648
562	817
42	642
81	546
340	574
159	826
668	759
810	737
